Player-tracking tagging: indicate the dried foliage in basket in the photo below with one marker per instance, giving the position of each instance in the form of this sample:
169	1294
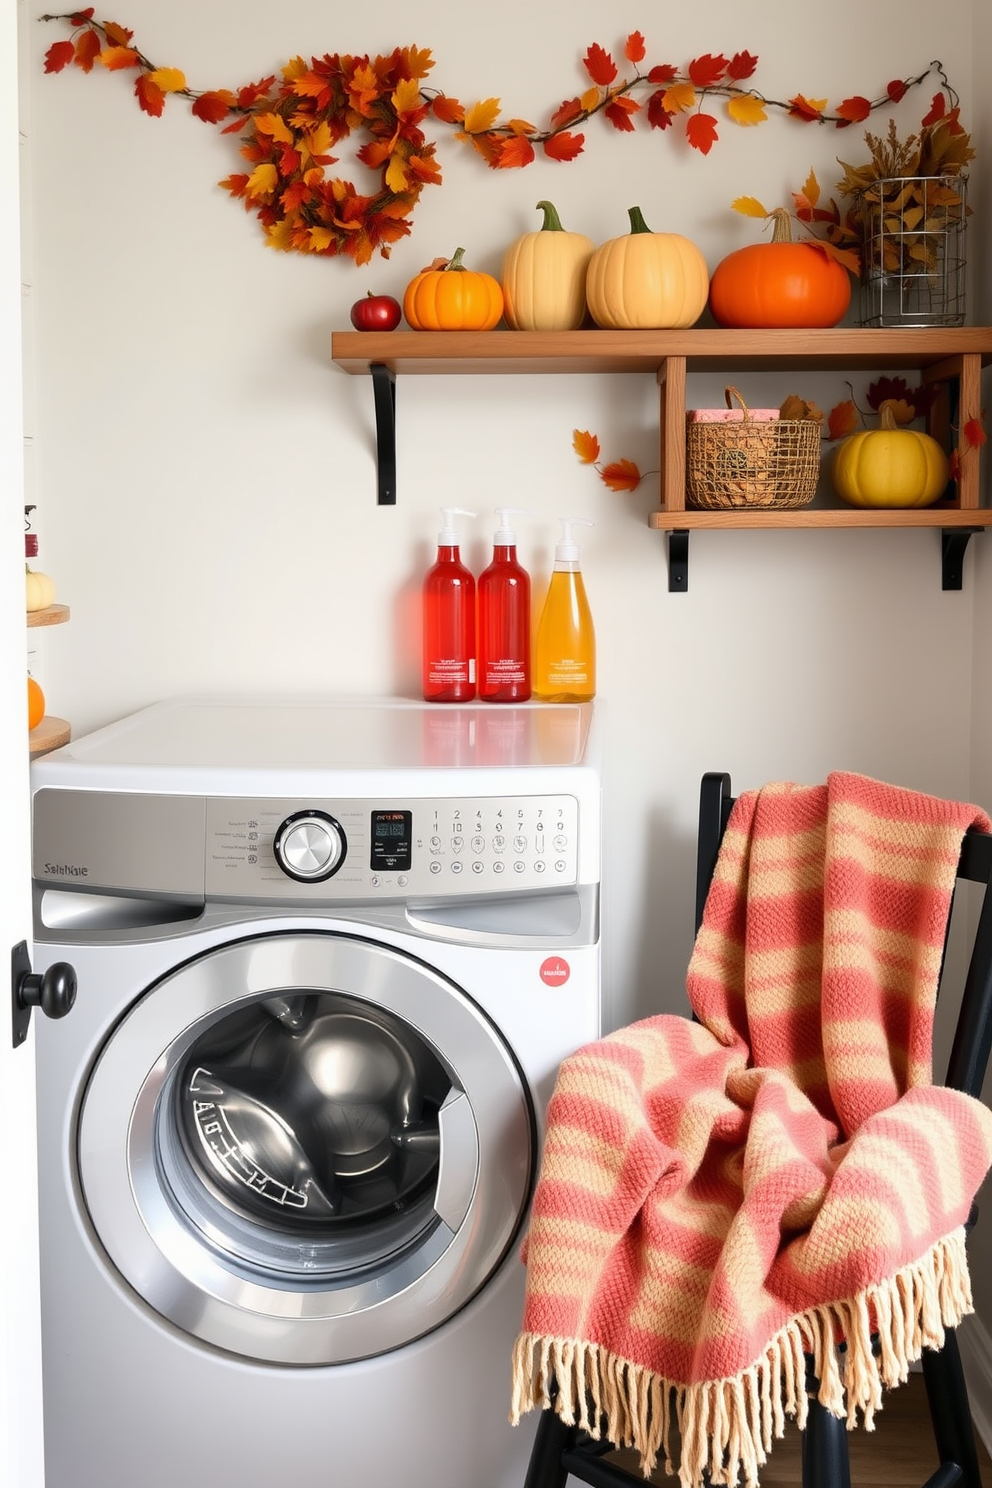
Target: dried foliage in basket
772	464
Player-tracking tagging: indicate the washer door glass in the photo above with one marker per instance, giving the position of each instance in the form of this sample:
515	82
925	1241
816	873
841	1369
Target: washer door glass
305	1148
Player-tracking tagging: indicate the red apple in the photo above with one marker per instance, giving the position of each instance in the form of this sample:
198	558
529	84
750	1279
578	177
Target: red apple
376	313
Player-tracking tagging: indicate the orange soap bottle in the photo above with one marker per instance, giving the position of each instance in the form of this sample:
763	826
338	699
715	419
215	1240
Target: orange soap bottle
504	620
565	649
449	620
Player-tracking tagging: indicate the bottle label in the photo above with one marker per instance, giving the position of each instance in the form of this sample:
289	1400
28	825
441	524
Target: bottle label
445	671
567	673
502	673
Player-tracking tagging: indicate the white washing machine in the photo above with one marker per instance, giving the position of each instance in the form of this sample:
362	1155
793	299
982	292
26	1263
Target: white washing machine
329	956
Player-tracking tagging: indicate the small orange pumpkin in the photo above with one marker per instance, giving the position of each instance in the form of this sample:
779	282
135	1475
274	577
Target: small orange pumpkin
449	297
36	704
780	283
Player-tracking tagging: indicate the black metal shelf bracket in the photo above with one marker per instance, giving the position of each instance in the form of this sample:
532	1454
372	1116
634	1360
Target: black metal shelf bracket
678	561
384	394
953	541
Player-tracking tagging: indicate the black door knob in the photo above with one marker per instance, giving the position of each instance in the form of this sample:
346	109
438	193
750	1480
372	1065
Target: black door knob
52	990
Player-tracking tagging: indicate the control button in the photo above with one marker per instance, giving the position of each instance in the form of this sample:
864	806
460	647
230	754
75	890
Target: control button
435	867
539	843
519	844
478	867
561	842
519	867
499	843
457	867
478	844
539	867
457	843
402	881
375	881
499	867
435	842
309	846
560	865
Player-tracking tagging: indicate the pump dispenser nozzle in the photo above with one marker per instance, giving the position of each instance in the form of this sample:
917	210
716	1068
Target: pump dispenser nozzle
567	549
448	536
504	536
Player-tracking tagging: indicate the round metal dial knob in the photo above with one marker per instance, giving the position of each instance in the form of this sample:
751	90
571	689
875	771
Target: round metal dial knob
310	846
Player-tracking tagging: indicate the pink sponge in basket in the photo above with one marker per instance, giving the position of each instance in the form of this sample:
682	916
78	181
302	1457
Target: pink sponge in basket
730	415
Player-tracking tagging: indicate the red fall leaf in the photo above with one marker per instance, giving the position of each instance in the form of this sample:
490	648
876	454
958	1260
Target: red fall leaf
741	66
514	153
974	433
621	475
619	113
80	17
600	65
938	108
700	131
658	116
149	95
853	110
448	110
663	75
59	55
801	108
896	89
211	107
570	109
89	45
707	70
564	146
634	48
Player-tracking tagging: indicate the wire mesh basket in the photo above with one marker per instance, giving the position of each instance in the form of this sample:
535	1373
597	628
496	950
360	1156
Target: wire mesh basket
770	463
913	231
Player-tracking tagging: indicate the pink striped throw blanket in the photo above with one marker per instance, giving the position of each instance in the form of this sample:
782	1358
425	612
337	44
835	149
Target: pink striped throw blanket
719	1198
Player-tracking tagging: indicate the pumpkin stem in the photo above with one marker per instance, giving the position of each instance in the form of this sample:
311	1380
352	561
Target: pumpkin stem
637	223
552	222
455	261
783	225
886	417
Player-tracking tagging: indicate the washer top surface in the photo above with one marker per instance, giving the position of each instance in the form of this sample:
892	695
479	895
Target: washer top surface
250	742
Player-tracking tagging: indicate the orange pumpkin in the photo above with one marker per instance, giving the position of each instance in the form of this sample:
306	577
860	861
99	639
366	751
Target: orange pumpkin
36	704
450	297
780	283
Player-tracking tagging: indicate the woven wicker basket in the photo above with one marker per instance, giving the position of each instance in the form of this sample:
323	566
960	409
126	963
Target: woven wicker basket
771	464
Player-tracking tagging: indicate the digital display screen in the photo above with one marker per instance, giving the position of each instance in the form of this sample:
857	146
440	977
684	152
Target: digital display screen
392	836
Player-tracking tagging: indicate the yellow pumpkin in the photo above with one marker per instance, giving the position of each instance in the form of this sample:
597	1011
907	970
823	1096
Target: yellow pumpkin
544	277
646	280
890	467
450	297
40	589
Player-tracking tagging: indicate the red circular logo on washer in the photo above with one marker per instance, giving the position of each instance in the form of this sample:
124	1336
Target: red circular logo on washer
555	971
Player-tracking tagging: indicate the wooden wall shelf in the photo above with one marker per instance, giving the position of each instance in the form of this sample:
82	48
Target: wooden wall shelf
50	733
53	614
952	358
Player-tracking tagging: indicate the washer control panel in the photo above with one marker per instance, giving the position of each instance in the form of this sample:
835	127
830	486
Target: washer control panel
328	850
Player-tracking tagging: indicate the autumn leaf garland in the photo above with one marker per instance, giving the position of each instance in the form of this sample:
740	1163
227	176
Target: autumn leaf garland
290	125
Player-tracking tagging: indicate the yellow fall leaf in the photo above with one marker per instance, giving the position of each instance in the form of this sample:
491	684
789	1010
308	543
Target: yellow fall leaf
318	141
396	177
811	189
747	110
169	79
749	206
275	126
481	116
294	68
262	181
589	99
278	235
321	238
678	98
406	96
520	126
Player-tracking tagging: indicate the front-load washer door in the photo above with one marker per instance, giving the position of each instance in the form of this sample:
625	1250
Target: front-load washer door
305	1148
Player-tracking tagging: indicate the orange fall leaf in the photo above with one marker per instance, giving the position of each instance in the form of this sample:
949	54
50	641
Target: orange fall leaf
621	475
586	446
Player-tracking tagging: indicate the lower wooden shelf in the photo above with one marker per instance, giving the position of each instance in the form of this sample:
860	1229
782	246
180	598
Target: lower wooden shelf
50	733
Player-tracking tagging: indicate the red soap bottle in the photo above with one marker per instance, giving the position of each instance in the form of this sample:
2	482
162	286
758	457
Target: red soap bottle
504	620
449	620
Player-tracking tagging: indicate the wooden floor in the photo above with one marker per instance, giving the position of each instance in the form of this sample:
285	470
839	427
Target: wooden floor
899	1453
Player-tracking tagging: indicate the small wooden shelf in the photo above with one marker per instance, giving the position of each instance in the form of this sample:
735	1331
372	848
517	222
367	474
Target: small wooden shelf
53	614
952	358
50	733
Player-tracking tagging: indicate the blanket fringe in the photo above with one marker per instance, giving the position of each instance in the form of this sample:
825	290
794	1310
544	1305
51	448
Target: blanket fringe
727	1426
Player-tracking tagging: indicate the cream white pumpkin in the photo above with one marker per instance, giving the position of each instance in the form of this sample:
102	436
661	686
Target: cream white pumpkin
646	280
40	590
544	277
